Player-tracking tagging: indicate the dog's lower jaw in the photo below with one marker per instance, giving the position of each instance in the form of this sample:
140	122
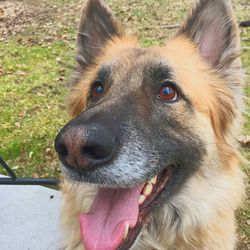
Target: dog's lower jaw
194	221
211	236
190	220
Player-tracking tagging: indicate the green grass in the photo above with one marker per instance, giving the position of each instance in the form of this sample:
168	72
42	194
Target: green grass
31	101
34	81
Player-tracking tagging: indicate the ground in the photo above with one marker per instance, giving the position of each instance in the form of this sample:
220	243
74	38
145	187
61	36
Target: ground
37	41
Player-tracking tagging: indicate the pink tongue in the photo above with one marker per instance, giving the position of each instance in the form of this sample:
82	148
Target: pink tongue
103	227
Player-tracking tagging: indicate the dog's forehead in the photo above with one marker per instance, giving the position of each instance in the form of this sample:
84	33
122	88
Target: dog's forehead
136	64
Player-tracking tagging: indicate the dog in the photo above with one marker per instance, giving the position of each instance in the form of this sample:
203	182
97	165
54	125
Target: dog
150	159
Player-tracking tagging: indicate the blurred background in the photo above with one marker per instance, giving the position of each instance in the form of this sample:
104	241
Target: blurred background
37	51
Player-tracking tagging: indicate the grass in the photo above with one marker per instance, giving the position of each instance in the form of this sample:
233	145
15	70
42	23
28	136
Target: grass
31	96
35	66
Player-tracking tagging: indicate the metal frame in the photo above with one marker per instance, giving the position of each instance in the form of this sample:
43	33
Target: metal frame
14	180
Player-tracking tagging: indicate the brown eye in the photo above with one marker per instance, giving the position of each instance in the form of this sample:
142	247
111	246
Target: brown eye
167	92
97	90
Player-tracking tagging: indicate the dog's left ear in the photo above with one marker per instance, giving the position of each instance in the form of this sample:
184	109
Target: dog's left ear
97	26
213	28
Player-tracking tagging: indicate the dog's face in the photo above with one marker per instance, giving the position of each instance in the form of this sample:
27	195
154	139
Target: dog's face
145	119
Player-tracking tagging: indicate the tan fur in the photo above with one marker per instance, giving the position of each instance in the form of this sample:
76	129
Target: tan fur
207	201
206	204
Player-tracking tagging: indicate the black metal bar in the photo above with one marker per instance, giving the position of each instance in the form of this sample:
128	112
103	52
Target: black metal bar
7	168
13	180
27	181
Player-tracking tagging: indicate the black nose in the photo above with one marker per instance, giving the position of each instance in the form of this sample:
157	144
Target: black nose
84	147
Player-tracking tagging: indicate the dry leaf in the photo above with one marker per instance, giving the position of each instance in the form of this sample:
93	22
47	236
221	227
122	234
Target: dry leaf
35	175
17	124
244	140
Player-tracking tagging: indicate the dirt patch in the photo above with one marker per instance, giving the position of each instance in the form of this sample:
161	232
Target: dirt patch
15	17
36	19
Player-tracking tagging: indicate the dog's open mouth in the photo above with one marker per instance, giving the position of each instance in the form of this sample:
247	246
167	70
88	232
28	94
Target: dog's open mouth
116	215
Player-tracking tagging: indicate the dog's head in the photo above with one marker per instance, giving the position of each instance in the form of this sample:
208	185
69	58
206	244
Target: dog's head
146	119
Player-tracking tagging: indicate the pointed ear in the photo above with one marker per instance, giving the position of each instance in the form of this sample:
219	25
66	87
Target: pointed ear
213	28
97	26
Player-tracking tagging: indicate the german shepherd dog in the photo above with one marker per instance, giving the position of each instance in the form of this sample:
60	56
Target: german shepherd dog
150	159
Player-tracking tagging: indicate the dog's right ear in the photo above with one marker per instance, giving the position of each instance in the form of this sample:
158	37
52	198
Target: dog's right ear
97	26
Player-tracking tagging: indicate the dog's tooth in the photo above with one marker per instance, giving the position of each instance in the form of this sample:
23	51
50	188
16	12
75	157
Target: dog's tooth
153	180
125	233
148	189
142	199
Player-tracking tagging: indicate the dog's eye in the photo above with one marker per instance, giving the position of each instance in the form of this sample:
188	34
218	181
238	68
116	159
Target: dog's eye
98	90
168	92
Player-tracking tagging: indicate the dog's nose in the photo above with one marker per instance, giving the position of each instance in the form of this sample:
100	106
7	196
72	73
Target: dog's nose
84	147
